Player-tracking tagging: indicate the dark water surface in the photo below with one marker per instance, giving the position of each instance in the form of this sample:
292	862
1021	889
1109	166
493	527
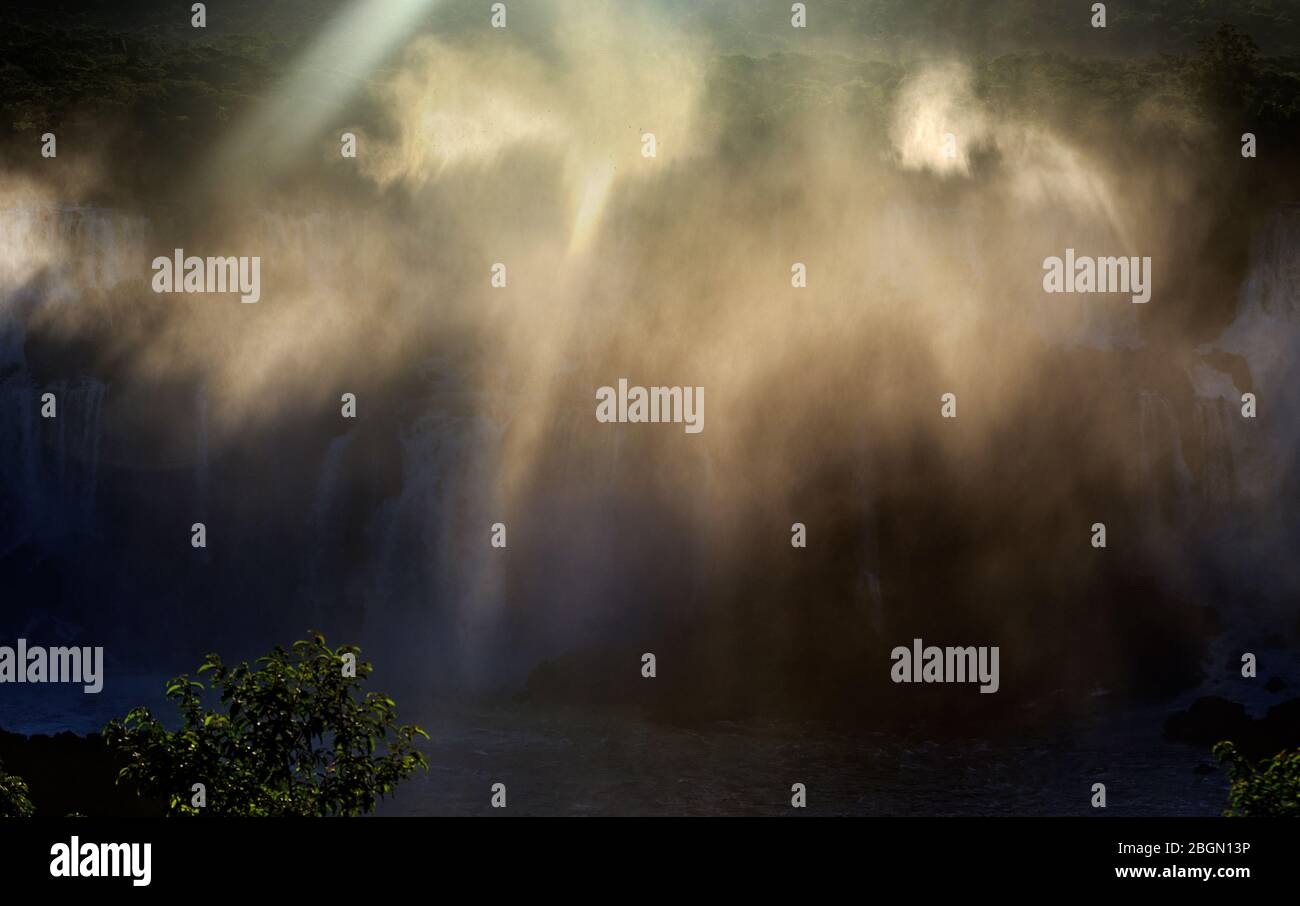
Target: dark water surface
572	761
567	762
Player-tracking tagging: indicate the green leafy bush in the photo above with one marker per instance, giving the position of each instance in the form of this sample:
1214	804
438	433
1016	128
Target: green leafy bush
1269	789
13	796
290	738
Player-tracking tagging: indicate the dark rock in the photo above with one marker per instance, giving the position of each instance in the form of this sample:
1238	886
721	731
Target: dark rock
1208	720
1280	728
1211	719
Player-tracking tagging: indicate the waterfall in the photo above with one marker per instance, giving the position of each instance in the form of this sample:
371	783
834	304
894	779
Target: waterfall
89	398
326	527
1266	333
19	463
327	485
201	466
1239	461
73	249
1219	438
1273	287
50	468
1166	480
431	562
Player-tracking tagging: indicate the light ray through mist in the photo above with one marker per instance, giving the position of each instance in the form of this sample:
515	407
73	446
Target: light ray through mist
339	63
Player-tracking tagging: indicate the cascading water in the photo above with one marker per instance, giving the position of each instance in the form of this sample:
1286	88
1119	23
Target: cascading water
1222	446
1245	486
326	528
201	453
1266	333
1165	477
431	564
53	255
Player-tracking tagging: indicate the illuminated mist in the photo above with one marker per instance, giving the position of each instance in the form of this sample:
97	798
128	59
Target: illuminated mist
924	277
